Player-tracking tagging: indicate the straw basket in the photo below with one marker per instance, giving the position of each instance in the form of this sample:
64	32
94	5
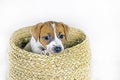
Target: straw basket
71	64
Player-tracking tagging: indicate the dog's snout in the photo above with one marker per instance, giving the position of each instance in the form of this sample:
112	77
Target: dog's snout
57	49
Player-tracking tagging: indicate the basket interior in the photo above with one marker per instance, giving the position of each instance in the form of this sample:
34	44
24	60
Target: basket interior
75	37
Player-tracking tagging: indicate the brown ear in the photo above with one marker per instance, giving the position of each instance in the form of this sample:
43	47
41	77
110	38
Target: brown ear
35	30
66	30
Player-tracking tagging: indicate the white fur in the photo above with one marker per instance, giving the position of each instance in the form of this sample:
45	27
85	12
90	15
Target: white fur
56	41
35	45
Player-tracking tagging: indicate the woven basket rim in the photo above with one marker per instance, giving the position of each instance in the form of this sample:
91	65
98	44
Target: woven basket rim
52	55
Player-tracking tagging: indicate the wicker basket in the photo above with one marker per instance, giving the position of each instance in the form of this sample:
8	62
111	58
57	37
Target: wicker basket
71	64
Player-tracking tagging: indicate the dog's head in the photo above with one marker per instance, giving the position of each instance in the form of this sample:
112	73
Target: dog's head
51	35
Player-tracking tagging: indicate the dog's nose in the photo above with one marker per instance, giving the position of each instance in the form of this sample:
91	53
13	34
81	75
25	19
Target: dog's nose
57	49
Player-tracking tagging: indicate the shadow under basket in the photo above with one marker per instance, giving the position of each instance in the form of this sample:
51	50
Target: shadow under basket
71	64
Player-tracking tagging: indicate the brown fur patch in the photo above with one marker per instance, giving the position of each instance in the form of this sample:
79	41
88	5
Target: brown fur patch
47	29
35	30
60	30
64	29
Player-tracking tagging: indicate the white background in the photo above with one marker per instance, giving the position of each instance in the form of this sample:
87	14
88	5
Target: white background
99	19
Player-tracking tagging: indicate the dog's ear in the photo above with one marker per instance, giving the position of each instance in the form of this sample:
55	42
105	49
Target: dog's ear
66	30
35	30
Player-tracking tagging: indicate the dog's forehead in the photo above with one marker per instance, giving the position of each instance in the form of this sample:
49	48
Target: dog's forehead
47	29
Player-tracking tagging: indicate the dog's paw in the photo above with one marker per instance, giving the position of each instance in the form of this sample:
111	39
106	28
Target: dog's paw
46	52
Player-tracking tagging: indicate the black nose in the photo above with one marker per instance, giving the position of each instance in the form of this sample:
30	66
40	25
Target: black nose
57	49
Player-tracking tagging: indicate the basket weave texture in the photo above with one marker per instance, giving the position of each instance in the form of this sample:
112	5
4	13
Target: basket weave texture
71	64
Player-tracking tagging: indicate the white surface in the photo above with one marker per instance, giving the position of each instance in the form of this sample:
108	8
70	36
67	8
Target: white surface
99	19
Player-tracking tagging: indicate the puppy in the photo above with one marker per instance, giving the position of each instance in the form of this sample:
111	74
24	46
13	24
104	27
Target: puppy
48	37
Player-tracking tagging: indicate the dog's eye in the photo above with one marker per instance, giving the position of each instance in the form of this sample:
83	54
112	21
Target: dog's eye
61	36
46	37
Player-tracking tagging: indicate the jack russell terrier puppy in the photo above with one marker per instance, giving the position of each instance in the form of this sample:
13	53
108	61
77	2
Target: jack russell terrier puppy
48	37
